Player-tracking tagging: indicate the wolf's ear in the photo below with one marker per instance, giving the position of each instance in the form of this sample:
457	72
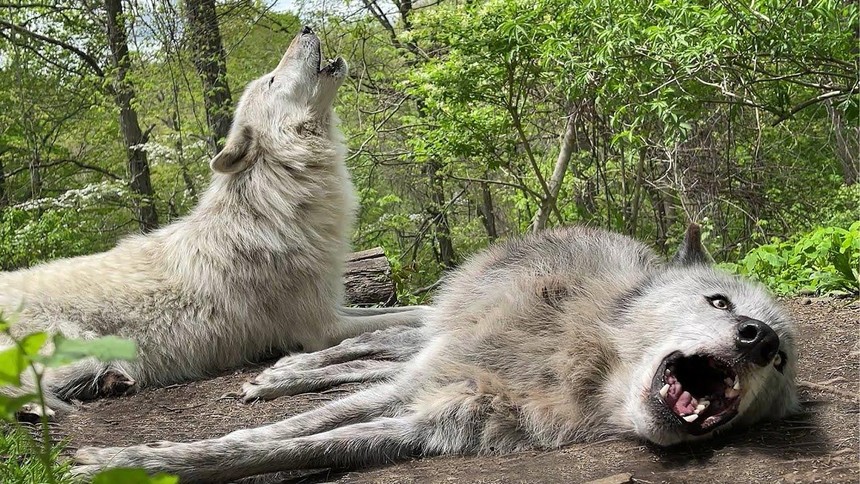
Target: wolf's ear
691	251
233	159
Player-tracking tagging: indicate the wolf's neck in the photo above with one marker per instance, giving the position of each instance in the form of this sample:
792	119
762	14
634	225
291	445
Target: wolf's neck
261	219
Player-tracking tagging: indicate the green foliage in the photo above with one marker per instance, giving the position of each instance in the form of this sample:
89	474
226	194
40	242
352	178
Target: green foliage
824	261
132	476
28	237
24	459
20	462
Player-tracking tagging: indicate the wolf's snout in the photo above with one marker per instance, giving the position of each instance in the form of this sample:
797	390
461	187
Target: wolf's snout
756	340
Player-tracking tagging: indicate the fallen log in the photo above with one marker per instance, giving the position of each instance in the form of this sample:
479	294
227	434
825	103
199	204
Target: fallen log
368	279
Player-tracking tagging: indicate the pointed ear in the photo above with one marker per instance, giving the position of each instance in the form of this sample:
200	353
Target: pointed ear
691	251
233	158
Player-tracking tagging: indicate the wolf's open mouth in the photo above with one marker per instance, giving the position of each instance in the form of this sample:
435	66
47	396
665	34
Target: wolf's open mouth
700	391
333	67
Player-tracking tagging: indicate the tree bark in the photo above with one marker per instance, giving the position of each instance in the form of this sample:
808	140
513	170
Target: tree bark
209	60
138	167
488	213
568	140
4	201
847	145
439	215
367	279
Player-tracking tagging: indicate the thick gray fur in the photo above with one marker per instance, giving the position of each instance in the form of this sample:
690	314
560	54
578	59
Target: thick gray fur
533	344
255	269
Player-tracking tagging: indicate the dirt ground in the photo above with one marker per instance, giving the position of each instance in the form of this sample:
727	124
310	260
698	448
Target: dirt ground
820	445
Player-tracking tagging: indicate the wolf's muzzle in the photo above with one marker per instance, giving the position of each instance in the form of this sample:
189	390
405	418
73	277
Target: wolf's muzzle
757	341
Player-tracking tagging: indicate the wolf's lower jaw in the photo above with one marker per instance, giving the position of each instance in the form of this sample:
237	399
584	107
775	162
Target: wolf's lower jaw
697	393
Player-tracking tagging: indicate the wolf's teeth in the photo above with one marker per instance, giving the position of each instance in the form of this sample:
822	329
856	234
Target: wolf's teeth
737	385
699	409
777	359
731	393
704	403
664	391
691	418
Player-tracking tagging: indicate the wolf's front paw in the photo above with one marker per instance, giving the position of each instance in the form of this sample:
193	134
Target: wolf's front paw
259	389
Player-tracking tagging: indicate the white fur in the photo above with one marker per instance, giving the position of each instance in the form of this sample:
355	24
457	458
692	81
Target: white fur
534	344
255	268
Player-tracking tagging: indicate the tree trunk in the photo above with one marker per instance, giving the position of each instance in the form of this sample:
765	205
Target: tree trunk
209	60
439	215
4	201
35	175
138	167
367	279
488	214
568	140
847	145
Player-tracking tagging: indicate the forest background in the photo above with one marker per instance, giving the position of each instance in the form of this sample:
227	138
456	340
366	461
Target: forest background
467	122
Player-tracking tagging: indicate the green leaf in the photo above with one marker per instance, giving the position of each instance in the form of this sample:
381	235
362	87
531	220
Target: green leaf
132	476
12	364
32	343
106	348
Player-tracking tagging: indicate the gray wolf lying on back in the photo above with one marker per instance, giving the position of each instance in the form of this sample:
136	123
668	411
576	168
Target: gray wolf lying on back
255	268
563	336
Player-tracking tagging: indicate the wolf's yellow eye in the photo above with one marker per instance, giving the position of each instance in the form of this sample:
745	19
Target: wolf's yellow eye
720	302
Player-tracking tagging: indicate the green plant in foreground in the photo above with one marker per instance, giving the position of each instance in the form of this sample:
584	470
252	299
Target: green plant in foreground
824	261
24	459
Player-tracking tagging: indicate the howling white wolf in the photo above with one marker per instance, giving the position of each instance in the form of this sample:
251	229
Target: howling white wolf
563	336
255	268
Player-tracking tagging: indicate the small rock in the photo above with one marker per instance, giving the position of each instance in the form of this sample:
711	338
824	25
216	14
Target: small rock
806	301
623	478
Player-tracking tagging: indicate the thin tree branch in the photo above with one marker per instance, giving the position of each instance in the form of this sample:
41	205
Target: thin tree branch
88	59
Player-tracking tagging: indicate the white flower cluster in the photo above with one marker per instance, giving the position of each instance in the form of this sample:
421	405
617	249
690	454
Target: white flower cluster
78	197
166	153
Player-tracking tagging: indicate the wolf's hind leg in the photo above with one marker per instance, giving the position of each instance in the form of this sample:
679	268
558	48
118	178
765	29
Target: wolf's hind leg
458	421
223	460
89	379
284	381
379	401
82	380
398	343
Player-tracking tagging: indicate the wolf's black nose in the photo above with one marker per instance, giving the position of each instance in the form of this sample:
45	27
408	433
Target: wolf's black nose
307	30
757	341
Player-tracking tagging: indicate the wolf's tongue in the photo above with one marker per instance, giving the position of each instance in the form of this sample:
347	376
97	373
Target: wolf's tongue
685	404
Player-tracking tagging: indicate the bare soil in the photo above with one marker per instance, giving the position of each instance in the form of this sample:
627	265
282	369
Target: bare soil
821	445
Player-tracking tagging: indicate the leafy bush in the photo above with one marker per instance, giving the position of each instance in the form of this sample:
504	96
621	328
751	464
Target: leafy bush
24	459
824	261
28	237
